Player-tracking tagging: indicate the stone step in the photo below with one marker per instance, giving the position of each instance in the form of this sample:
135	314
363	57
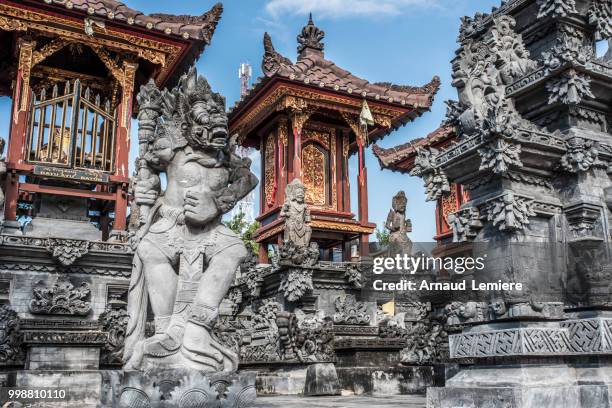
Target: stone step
400	401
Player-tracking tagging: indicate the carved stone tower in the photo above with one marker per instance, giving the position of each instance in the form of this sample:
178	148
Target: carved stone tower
532	151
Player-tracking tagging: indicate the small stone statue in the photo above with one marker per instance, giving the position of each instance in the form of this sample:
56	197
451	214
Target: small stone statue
399	226
186	259
296	214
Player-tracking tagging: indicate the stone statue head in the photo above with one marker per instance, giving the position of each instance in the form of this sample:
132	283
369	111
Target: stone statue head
199	113
296	191
399	202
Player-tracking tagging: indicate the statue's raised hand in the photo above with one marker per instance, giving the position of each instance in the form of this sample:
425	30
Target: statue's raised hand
145	193
200	207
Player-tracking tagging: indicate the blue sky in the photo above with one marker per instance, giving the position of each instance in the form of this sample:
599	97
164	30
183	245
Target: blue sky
400	41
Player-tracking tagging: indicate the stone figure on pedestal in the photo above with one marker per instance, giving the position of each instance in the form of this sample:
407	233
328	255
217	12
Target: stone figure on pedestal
186	258
399	226
296	214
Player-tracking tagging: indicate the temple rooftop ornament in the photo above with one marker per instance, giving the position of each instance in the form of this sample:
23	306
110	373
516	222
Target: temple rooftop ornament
304	117
310	38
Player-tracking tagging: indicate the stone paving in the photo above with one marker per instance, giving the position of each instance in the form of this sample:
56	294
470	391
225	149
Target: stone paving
401	401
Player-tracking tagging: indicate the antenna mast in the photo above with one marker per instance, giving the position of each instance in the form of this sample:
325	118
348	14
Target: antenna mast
246	204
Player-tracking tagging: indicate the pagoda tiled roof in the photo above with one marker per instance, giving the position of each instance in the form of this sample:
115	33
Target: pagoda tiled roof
401	158
313	69
199	28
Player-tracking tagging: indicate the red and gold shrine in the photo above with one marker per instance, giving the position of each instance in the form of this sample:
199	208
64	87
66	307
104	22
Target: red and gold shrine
71	68
304	118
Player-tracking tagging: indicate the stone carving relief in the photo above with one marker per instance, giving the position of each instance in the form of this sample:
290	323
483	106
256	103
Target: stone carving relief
465	224
510	212
296	282
556	8
184	253
571	48
423	342
436	182
481	71
350	311
62	298
114	322
399	226
600	15
353	275
67	251
10	337
500	155
582	154
570	88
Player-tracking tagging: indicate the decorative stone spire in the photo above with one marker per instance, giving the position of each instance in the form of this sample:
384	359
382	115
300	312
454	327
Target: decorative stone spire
310	38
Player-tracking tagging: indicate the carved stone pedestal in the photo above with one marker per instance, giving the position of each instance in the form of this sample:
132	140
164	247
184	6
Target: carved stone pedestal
545	365
183	389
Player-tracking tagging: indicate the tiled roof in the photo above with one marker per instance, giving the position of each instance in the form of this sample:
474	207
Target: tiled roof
199	28
399	157
311	68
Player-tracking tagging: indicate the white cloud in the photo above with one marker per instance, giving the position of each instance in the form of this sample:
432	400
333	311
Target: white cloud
345	8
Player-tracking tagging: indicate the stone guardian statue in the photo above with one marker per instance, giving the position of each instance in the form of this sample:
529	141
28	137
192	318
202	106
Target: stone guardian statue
399	226
185	258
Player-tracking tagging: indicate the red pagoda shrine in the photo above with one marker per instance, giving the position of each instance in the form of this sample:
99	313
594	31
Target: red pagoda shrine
71	68
304	118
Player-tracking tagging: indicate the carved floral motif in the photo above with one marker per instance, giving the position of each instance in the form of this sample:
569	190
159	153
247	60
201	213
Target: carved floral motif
296	283
10	337
436	182
67	251
465	224
270	171
510	212
350	311
556	8
499	155
570	88
315	171
114	322
61	299
582	154
600	15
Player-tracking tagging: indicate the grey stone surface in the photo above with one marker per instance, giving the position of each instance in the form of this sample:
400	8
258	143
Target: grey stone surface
321	379
412	401
63	358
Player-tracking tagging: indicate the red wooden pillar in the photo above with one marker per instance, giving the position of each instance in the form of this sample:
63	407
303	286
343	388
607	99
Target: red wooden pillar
263	253
297	152
362	194
19	126
298	120
124	121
